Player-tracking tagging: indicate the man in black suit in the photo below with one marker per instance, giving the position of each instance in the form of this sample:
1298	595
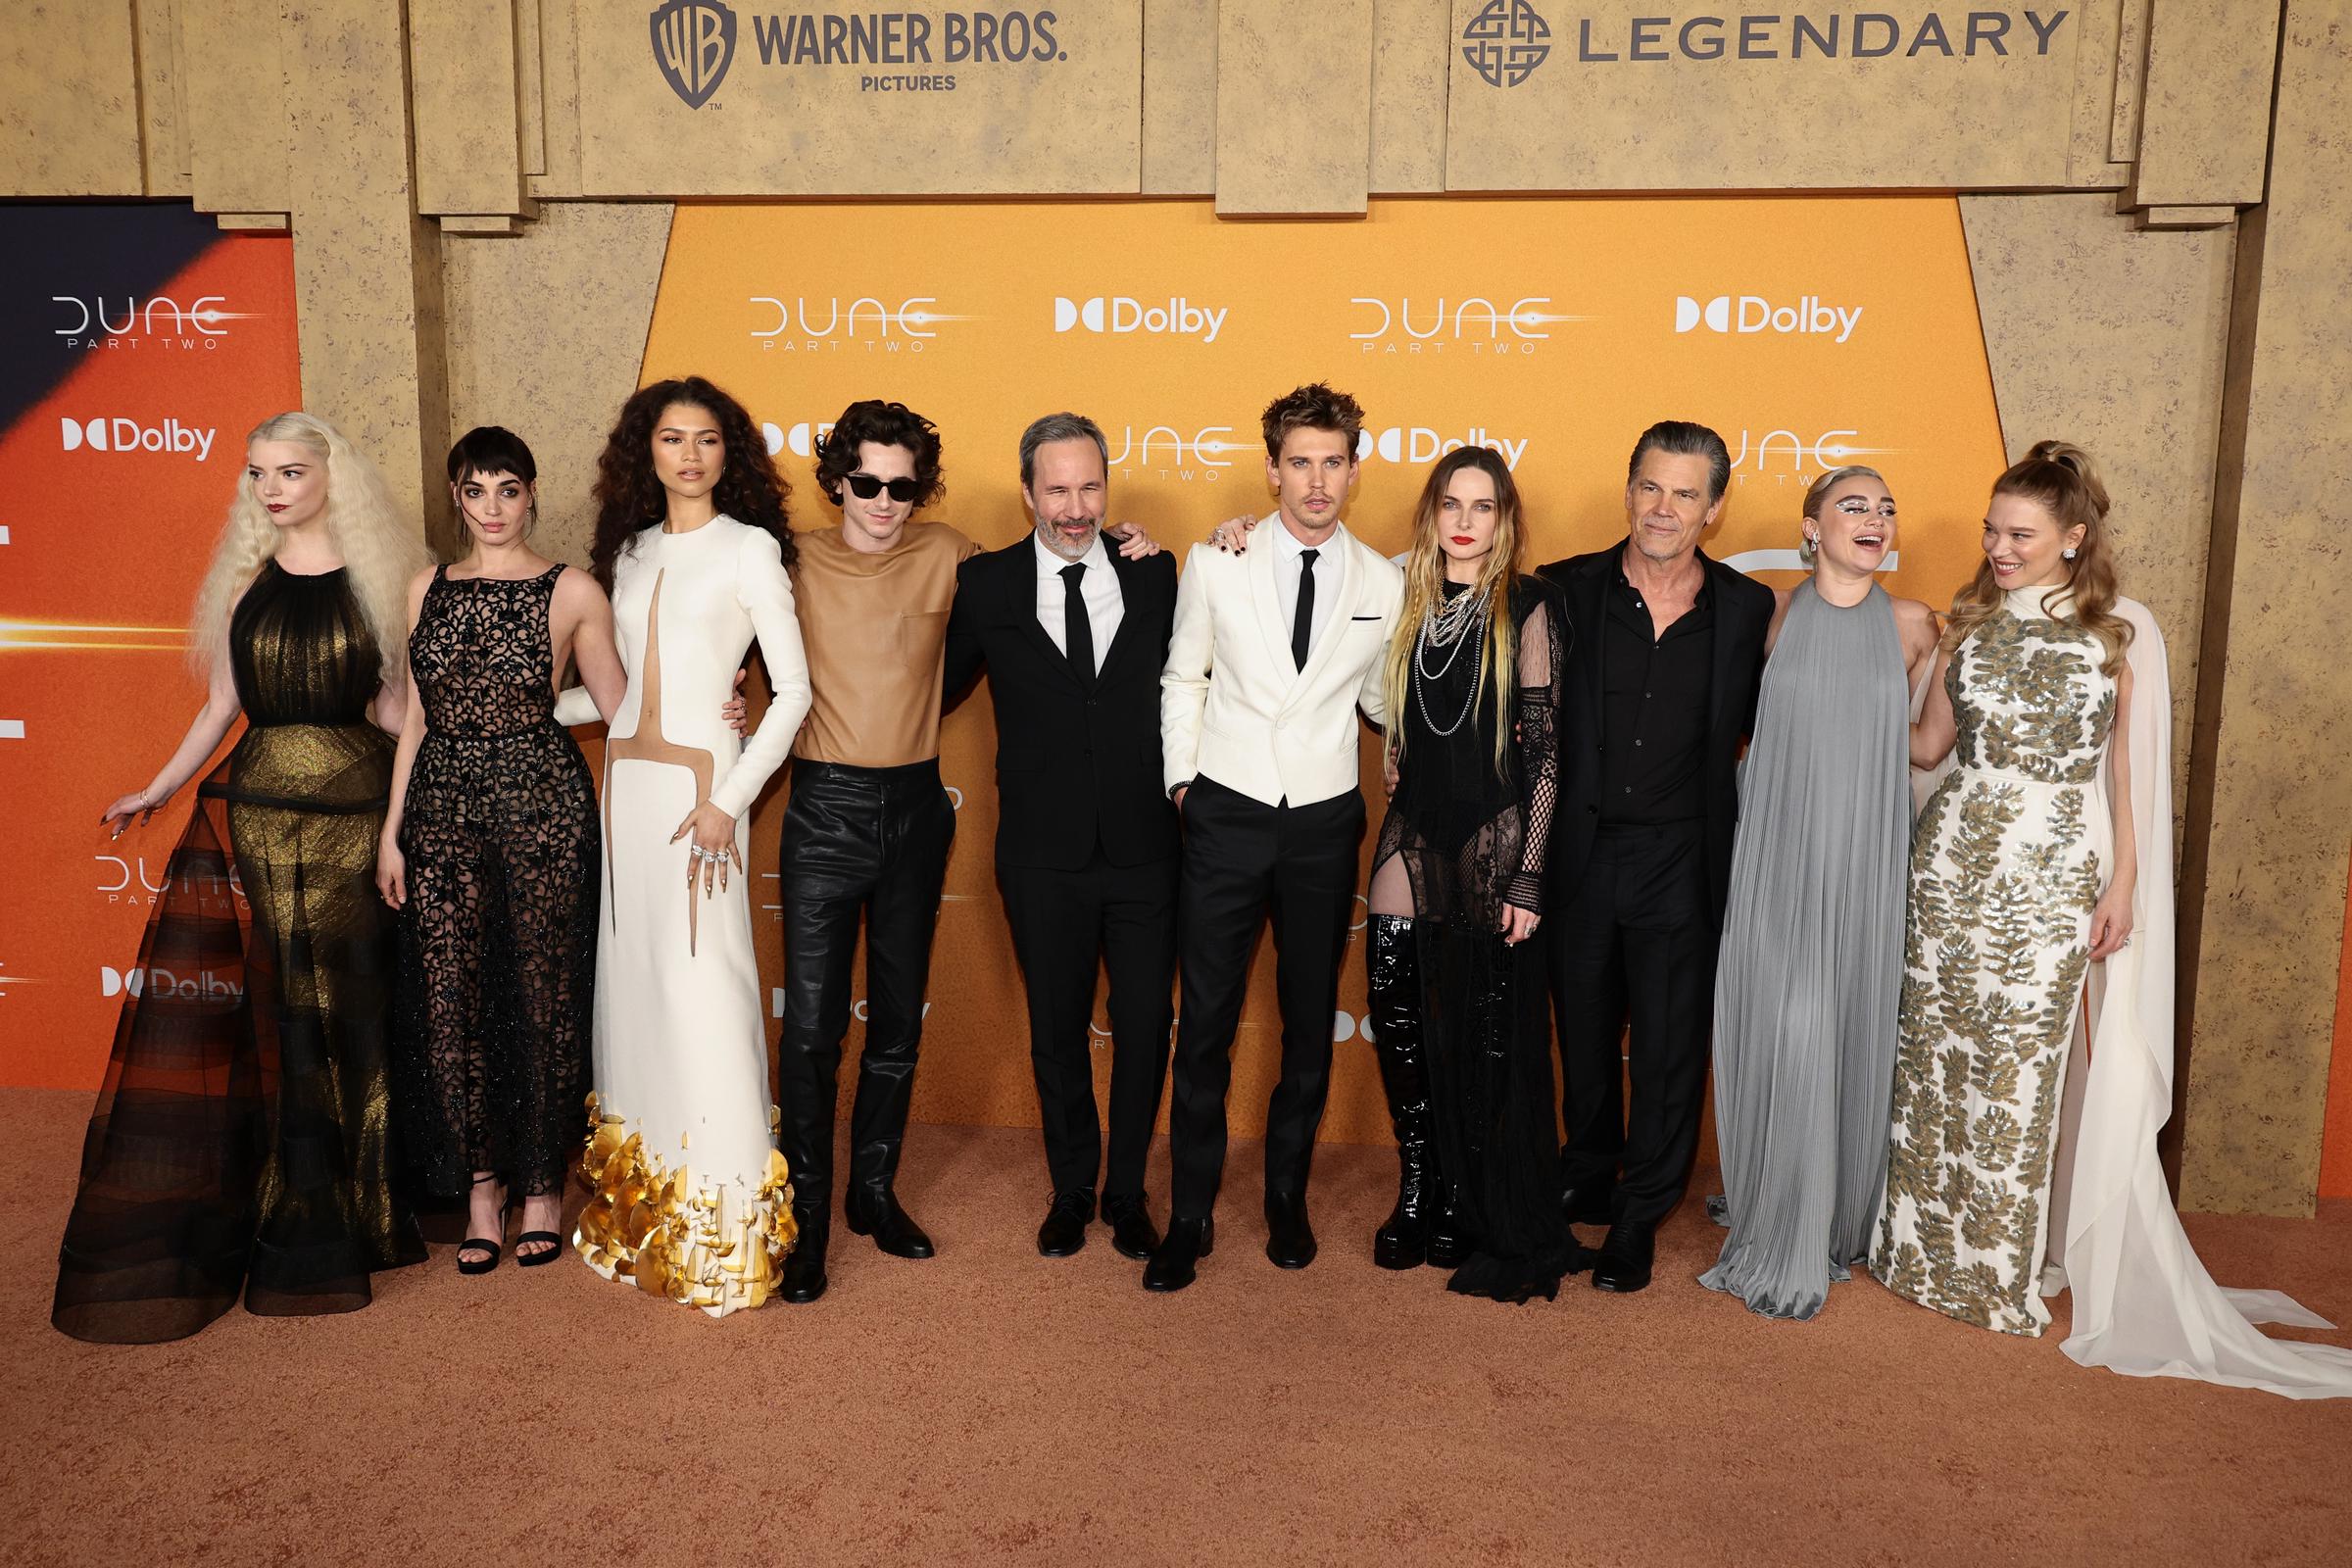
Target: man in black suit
1074	636
1667	650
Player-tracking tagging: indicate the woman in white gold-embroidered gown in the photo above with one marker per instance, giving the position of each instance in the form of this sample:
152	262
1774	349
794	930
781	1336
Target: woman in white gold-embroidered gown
689	1197
2042	900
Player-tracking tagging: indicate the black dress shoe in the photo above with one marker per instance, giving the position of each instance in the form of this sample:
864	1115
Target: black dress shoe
804	1278
893	1231
1132	1232
1588	1202
1173	1261
1064	1229
1623	1264
1290	1240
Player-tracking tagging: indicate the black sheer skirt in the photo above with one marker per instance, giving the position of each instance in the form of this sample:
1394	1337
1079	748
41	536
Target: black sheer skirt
242	1141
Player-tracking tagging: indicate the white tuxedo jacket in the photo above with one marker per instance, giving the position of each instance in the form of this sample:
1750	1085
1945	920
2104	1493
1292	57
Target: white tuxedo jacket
1232	704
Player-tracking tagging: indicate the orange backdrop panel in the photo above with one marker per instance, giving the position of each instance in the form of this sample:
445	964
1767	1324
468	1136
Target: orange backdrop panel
1809	333
105	547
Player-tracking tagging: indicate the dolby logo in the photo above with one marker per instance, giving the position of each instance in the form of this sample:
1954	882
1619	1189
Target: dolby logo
1118	315
1745	313
1417	443
105	435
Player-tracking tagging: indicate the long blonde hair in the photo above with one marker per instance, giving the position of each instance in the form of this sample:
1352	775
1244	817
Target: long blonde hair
1425	590
2059	478
381	549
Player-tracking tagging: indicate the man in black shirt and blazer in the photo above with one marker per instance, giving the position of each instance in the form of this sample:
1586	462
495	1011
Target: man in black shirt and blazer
1666	654
1074	637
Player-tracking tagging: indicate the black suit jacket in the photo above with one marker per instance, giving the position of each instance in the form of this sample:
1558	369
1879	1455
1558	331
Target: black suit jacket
1077	764
1743	614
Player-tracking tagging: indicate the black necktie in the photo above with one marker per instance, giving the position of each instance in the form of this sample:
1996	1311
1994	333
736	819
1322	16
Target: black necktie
1077	632
1302	620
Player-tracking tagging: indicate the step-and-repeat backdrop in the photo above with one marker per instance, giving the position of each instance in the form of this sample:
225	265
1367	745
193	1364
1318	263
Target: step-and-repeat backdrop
141	345
1810	334
137	346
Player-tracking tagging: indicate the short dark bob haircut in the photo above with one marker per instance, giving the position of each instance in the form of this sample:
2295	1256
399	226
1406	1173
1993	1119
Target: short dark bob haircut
491	449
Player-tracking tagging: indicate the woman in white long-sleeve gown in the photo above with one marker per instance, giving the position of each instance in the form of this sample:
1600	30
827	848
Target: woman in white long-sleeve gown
689	1197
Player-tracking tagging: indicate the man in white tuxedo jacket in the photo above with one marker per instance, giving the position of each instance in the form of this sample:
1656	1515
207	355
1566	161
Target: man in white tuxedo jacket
1272	653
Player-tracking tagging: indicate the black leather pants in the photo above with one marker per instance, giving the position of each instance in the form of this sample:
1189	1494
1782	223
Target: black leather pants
870	839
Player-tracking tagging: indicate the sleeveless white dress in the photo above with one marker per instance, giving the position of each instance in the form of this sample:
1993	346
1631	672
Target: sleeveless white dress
691	1199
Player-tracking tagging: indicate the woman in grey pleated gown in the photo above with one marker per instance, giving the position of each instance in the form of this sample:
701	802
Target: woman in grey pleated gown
1812	958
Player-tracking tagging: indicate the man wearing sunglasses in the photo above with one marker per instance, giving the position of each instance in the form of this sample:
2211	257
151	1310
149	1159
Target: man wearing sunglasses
1074	636
1273	651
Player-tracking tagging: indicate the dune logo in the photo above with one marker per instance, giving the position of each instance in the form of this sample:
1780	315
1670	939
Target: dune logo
1119	315
1746	313
128	435
1416	443
162	318
916	316
694	43
1168	453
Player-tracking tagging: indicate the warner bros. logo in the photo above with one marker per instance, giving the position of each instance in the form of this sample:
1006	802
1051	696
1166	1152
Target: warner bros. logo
694	43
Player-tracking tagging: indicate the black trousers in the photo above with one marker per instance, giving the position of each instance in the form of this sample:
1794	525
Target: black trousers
1243	859
1061	923
1636	935
855	839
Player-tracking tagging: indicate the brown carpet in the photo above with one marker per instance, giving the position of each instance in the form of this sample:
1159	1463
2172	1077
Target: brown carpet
991	1406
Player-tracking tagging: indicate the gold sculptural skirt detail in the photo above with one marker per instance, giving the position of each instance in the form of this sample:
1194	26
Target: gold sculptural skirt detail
675	1237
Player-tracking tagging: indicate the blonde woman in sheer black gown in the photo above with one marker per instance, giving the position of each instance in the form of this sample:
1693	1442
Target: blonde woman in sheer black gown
242	1140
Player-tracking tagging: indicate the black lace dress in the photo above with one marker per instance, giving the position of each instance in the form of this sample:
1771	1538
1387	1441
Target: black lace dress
498	938
1474	836
242	1138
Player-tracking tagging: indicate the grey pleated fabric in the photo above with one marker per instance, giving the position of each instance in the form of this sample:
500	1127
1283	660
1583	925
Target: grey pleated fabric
1811	962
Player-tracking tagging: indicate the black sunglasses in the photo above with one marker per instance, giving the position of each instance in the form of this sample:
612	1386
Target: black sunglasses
867	486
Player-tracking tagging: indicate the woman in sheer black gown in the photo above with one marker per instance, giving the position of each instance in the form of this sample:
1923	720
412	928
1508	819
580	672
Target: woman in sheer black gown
489	853
242	1140
1459	1015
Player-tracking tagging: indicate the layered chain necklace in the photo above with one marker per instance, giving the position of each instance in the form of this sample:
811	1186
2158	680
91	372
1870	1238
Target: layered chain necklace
1446	632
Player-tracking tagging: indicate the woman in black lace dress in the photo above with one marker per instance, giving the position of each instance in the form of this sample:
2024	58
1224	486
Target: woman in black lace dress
1458	1008
489	851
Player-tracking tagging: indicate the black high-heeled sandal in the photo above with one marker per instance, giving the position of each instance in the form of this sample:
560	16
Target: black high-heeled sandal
555	1248
483	1265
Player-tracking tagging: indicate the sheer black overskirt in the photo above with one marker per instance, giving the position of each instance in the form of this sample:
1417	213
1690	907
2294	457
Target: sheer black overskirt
1473	836
498	938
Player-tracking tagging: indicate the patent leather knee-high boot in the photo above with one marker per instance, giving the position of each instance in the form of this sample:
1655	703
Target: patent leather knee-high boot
1402	1242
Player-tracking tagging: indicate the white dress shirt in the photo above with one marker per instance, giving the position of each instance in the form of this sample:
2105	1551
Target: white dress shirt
1288	552
1099	585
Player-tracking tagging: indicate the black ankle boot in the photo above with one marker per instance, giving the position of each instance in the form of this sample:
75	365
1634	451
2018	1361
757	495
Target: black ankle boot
1394	965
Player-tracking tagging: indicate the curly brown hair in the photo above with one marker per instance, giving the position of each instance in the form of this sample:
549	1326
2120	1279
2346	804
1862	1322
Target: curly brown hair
629	496
1312	407
887	424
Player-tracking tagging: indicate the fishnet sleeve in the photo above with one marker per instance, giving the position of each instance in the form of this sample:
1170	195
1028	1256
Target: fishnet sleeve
1540	686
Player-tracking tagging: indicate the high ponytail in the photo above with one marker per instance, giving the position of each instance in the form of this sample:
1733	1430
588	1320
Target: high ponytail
2059	477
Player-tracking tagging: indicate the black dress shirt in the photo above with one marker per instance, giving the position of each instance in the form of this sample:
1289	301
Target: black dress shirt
1653	709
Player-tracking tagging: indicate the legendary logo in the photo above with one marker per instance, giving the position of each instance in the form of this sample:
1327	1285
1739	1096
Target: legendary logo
694	43
104	434
1506	41
1752	312
1179	318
